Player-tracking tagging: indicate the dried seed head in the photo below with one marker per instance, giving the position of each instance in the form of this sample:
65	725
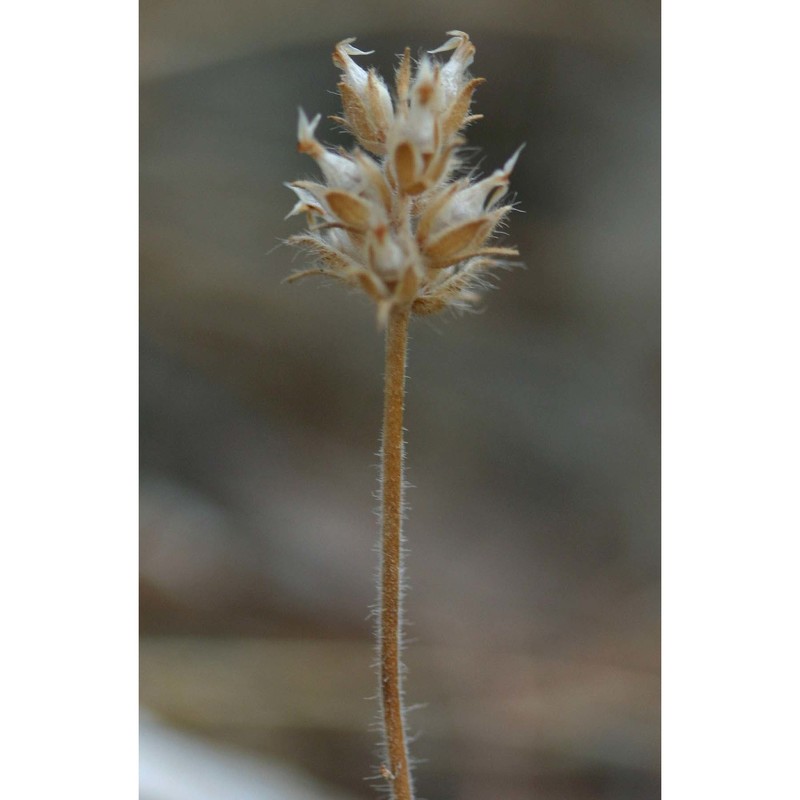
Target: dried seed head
397	224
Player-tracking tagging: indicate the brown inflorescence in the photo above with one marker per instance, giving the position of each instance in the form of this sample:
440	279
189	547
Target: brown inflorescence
391	217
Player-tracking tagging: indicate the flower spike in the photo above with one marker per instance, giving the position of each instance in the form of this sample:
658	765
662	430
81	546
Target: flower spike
390	217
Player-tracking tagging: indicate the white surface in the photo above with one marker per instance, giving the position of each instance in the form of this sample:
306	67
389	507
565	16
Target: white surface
178	766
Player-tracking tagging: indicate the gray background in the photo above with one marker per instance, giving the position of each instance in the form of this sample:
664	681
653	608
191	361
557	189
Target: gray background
533	427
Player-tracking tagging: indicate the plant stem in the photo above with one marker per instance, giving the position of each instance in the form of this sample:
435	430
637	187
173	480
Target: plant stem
389	633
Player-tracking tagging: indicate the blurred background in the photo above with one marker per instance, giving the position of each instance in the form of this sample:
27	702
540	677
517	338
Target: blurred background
533	427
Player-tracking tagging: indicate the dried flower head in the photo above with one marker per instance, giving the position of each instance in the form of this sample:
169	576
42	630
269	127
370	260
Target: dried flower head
391	217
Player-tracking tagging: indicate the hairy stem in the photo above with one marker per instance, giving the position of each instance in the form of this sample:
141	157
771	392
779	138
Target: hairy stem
397	771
